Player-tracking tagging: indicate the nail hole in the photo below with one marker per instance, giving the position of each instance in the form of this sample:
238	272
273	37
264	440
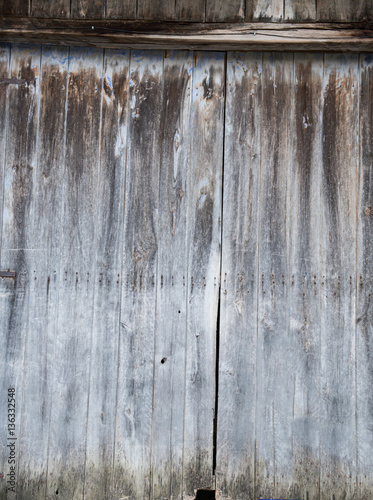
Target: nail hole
163	360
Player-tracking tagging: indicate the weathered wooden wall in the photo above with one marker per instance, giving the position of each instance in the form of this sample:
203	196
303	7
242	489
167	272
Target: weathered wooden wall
136	185
194	10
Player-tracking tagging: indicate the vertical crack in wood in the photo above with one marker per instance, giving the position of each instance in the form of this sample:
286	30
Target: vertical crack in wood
215	426
217	346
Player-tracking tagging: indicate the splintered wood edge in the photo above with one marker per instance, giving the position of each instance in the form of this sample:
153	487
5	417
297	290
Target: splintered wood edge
326	37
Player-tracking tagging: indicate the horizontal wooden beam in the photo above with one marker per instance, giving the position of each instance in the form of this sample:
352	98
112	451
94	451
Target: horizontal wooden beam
328	37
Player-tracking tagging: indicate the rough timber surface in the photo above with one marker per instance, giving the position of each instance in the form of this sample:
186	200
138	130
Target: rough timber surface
204	244
304	282
171	34
114	198
364	313
195	10
132	459
44	278
101	434
171	327
17	236
72	361
235	474
338	196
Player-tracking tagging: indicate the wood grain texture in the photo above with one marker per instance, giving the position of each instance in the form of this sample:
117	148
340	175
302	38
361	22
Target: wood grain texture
44	280
235	474
14	7
88	9
171	326
106	309
280	37
190	10
7	287
157	9
344	10
275	375
204	240
231	10
300	10
67	444
338	273
17	237
52	9
133	447
304	286
120	9
4	73
265	10
364	340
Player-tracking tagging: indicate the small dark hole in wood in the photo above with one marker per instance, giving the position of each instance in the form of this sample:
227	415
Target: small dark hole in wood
205	494
179	312
163	360
57	492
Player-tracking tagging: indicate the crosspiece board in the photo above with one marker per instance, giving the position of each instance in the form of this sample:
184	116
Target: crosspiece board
191	307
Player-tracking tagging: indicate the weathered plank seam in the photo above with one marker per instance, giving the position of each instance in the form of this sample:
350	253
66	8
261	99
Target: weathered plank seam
359	162
218	317
60	260
188	186
319	260
151	490
94	269
121	279
257	289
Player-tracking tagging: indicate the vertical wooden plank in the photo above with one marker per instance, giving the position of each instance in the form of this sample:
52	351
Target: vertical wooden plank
235	473
106	310
170	341
132	461
344	10
7	286
55	9
120	9
204	240
157	9
4	73
44	263
17	236
264	10
338	274
364	290
67	438
88	9
15	7
275	373
9	299
300	10
304	289
231	10
190	10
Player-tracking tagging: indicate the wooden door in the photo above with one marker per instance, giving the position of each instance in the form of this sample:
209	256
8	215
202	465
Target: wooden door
190	236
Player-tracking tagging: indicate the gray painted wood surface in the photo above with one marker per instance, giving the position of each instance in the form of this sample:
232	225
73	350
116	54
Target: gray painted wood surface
136	190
